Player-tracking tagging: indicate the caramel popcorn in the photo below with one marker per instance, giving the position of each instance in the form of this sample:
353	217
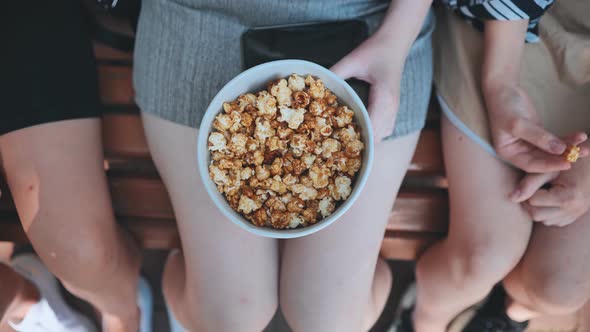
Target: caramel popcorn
281	92
293	117
296	83
285	157
248	205
266	104
572	154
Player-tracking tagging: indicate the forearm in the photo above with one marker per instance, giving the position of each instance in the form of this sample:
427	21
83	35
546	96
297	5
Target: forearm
503	48
401	26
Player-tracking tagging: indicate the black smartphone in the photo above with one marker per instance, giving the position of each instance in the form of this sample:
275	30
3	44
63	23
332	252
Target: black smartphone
324	43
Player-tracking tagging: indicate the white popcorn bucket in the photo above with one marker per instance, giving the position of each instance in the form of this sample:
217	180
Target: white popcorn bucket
254	80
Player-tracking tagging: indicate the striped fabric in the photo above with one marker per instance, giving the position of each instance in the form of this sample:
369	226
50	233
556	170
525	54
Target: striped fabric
477	11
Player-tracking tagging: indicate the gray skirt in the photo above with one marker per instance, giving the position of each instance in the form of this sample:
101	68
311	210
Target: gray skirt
187	50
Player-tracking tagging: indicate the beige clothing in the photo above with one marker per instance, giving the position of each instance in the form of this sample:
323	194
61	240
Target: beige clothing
555	71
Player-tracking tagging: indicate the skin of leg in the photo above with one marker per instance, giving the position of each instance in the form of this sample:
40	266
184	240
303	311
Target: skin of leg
17	295
231	281
488	234
56	177
552	277
328	279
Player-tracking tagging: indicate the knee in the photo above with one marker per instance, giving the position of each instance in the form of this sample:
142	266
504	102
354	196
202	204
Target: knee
234	313
554	293
483	262
81	262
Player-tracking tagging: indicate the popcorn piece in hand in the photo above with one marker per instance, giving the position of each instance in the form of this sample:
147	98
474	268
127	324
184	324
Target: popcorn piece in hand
572	153
341	188
217	142
247	205
293	117
267	104
326	207
281	92
296	83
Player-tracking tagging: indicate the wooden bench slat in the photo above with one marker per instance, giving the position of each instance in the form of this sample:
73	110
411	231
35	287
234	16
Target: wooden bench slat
163	234
105	53
428	156
123	135
420	211
406	246
146	197
115	85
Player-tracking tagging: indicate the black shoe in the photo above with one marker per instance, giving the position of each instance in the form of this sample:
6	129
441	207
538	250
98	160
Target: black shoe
492	317
403	320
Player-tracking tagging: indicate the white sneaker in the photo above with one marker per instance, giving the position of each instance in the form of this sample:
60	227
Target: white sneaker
51	313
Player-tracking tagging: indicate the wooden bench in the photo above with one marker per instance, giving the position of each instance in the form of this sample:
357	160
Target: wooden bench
141	202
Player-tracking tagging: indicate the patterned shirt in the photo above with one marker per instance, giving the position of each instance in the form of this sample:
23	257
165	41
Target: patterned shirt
477	11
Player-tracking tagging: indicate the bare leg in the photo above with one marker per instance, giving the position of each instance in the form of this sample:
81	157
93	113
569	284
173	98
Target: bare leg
17	295
552	277
56	176
328	279
230	281
488	234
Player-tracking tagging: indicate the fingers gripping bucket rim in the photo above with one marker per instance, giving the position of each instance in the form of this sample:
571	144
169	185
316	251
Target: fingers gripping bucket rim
254	79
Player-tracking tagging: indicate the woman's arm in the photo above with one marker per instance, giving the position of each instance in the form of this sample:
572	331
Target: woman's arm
503	45
380	61
517	132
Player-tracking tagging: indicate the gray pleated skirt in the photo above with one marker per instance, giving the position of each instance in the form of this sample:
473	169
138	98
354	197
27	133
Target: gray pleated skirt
187	50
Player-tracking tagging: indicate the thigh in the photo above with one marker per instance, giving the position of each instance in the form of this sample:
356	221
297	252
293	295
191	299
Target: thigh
484	223
226	266
56	176
559	256
326	277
